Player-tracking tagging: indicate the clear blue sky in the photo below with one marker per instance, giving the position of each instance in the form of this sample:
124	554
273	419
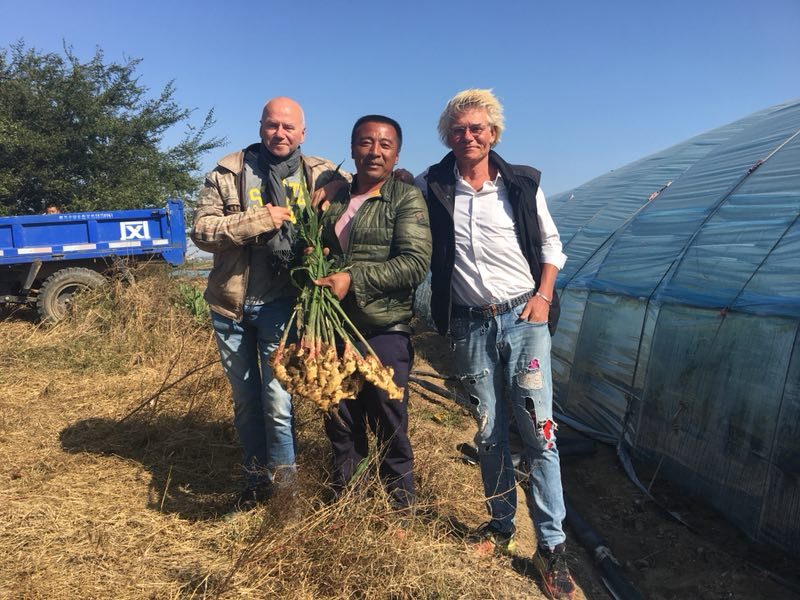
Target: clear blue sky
587	86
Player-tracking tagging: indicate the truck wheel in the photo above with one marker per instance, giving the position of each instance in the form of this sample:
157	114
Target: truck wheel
57	290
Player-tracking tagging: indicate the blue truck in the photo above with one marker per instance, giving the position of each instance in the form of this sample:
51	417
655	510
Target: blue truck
45	259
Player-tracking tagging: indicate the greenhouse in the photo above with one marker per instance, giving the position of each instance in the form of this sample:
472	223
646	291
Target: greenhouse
678	340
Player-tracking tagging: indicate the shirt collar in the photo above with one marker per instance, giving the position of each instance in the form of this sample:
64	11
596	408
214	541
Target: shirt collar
496	182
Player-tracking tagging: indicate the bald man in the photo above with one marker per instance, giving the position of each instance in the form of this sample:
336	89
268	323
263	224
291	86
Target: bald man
242	218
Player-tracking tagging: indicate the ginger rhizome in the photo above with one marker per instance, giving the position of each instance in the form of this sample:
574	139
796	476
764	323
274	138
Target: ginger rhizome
325	365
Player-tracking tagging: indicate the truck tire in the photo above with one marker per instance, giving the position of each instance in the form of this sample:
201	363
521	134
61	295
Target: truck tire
57	290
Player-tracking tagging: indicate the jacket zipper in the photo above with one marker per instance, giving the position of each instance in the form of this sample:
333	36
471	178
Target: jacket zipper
240	189
358	217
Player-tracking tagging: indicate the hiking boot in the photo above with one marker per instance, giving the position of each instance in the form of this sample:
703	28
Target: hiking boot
557	583
487	540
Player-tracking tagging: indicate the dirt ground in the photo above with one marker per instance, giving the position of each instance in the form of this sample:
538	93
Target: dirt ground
93	509
661	557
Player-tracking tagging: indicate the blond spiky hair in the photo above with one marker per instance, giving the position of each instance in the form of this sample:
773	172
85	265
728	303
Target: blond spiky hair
466	100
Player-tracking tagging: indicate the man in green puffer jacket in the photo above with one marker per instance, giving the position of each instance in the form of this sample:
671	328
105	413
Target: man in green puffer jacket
378	227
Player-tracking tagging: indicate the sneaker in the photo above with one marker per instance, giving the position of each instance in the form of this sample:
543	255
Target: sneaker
487	540
557	583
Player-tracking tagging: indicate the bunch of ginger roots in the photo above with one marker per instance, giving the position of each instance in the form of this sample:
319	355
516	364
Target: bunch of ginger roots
324	366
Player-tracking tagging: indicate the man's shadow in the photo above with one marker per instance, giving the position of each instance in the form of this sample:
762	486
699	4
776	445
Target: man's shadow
193	462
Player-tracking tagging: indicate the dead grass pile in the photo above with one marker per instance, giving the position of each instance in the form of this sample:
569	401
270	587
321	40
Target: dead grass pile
120	464
117	327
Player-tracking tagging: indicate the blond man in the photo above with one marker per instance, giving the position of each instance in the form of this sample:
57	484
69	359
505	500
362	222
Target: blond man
496	254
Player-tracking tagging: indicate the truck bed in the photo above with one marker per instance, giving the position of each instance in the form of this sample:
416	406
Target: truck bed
92	235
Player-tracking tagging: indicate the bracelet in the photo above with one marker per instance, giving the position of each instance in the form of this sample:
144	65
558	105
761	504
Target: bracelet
545	298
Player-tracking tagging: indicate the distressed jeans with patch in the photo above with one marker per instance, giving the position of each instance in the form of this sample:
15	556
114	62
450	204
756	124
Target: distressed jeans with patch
504	366
262	409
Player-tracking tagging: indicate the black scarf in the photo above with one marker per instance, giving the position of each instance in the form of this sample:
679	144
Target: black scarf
275	170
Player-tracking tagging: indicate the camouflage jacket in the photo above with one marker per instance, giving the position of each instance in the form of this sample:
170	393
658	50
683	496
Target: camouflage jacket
224	227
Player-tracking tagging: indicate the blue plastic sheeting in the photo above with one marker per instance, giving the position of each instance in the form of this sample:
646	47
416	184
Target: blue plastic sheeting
721	416
680	327
679	337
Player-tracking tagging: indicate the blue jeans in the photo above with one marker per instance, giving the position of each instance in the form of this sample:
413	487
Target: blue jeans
504	366
262	409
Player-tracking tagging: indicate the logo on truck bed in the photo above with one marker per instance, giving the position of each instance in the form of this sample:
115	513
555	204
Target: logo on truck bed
134	230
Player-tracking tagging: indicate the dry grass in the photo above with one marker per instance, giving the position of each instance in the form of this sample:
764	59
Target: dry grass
120	461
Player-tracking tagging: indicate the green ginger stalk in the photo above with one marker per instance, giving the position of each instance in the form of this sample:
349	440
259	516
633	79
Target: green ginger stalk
313	368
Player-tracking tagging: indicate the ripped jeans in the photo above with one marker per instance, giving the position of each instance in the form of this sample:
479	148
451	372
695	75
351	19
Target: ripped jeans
504	365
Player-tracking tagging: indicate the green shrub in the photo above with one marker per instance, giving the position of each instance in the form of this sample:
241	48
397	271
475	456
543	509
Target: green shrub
191	299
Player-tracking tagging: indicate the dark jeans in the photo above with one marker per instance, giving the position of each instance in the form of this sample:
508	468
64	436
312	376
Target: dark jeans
388	420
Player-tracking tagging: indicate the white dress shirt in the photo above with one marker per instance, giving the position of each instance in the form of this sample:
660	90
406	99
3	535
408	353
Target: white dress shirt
489	265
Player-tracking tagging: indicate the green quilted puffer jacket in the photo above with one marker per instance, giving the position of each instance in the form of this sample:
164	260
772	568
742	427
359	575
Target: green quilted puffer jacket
389	253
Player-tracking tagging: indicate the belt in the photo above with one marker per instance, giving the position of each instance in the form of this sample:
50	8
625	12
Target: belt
490	310
396	328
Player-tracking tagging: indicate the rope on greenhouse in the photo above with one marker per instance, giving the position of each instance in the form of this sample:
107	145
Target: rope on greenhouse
678	261
673	268
614	233
788	228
